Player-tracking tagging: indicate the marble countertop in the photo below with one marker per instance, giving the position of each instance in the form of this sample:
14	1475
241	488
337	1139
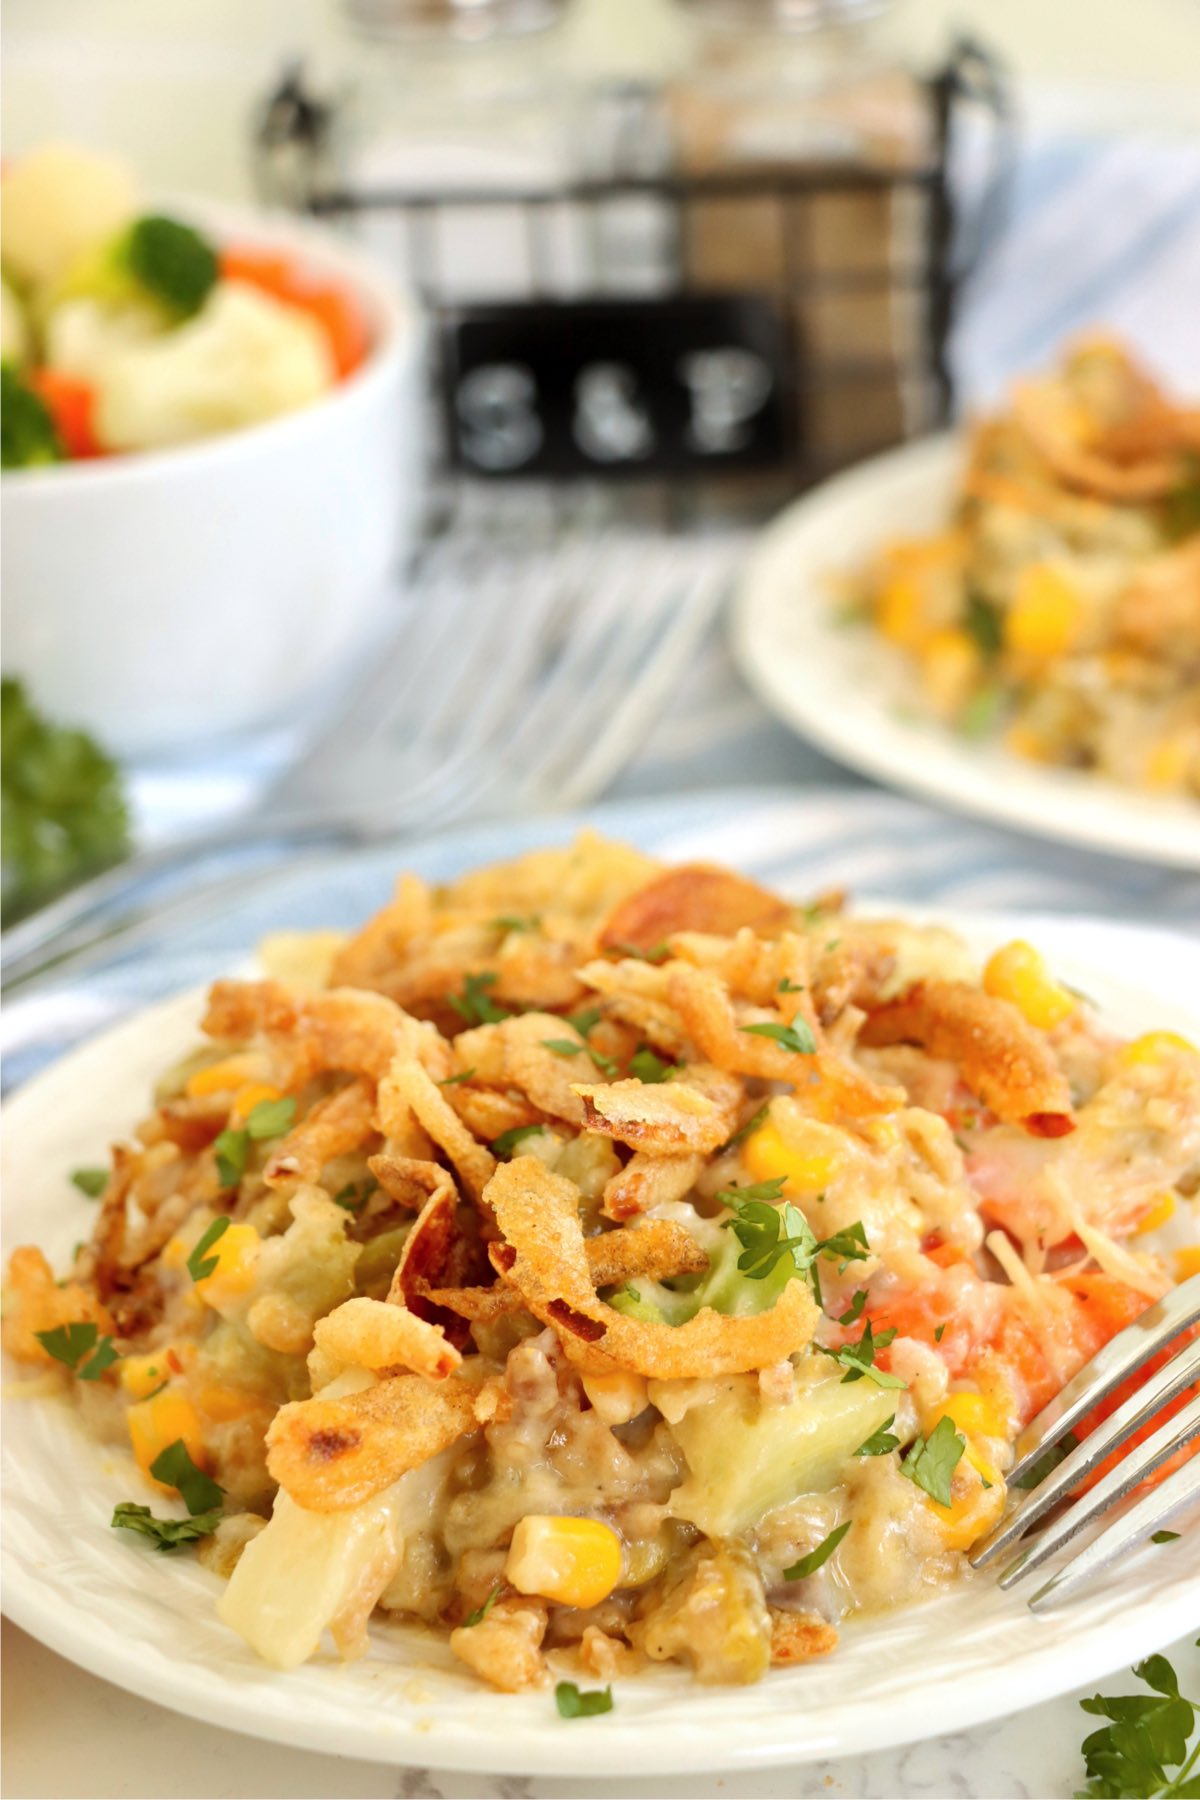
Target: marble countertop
68	1736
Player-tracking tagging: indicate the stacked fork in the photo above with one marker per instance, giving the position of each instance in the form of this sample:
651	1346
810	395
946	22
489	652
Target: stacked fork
524	675
1154	1334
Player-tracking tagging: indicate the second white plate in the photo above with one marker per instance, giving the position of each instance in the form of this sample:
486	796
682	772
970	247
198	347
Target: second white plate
850	693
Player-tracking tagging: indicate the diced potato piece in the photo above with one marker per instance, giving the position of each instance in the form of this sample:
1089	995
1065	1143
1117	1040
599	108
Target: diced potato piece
744	1457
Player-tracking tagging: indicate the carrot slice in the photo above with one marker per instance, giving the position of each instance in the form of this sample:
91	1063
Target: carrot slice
71	403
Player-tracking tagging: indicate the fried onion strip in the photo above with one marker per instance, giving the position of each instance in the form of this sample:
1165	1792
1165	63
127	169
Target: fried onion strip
331	1455
339	1123
648	1181
405	1089
372	1334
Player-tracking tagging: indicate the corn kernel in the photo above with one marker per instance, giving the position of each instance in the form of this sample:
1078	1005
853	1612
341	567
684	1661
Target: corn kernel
224	1076
799	1158
142	1376
618	1397
950	665
1168	763
1157	1213
1152	1047
158	1422
574	1562
899	613
976	1502
1045	616
248	1097
236	1251
1018	972
1187	1262
973	1413
221	1404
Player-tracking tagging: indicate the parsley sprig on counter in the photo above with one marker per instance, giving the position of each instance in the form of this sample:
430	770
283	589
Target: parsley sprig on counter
1147	1738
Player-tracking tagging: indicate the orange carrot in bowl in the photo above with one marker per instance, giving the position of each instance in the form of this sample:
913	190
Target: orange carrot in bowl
71	404
335	311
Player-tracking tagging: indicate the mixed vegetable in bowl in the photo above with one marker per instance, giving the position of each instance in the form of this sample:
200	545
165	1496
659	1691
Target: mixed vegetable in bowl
125	329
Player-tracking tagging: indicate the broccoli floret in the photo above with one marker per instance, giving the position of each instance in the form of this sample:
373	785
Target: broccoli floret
171	262
27	433
62	812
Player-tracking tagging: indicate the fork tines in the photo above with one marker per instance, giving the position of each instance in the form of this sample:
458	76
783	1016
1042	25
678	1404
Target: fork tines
1155	1331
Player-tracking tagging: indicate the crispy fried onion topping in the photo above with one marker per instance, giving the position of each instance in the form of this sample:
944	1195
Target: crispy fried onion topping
1000	1056
372	1334
343	1028
331	1455
693	897
407	1092
335	1126
538	1213
647	1181
671	1118
799	1637
659	1249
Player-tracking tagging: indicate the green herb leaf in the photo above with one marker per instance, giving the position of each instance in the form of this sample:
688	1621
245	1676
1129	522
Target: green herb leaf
645	1066
167	1534
880	1442
938	1330
847	1246
199	1265
175	1468
91	1182
795	1037
70	1344
983	623
655	954
853	1312
808	1565
574	1703
473	1003
1147	1737
1038	1471
481	1612
768	1232
563	1046
271	1118
858	1359
232	1148
453	1080
1164	1537
517	922
746	1130
507	1142
586	1021
932	1461
790	987
352	1198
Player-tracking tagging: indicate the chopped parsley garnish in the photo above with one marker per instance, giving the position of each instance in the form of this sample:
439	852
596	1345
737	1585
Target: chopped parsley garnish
982	712
808	1565
352	1198
167	1534
563	1046
507	1142
983	624
517	922
576	1703
474	1005
655	954
645	1066
586	1021
932	1461
70	1344
1164	1537
453	1080
938	1330
200	1264
91	1182
746	1130
858	1359
850	1245
795	1037
788	986
760	1227
269	1119
1146	1738
1037	1472
175	1468
853	1312
481	1612
881	1441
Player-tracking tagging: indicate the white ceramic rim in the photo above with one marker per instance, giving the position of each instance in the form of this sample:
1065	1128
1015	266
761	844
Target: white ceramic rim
392	318
663	1724
793	664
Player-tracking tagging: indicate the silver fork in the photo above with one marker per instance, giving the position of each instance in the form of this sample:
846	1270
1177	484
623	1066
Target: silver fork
1120	1358
523	677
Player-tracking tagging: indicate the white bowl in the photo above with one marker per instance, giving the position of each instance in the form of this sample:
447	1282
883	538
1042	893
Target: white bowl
171	597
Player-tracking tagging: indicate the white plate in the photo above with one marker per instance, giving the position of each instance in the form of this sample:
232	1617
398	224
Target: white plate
148	1622
852	694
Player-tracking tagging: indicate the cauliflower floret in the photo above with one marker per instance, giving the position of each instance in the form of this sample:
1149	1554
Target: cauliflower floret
59	202
245	357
